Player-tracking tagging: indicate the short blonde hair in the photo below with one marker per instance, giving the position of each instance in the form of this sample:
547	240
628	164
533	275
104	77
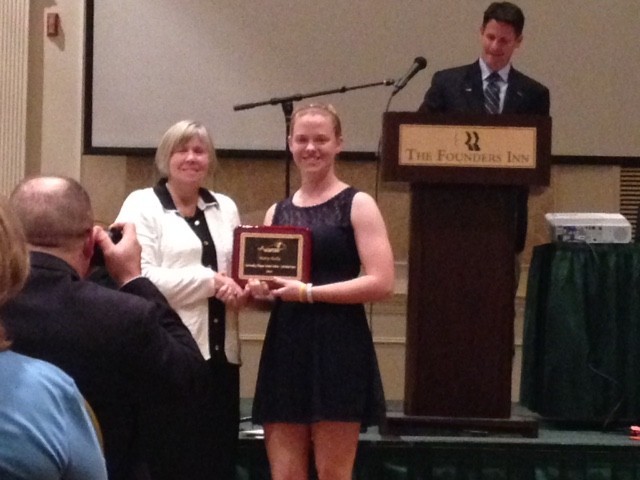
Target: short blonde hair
177	136
326	110
14	260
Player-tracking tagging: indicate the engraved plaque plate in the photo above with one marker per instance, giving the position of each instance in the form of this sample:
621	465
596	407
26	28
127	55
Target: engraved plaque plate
263	252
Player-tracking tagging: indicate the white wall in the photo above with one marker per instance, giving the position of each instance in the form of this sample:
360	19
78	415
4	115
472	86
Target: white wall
157	60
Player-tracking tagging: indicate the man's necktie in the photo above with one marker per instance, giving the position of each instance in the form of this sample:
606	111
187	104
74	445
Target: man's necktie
492	94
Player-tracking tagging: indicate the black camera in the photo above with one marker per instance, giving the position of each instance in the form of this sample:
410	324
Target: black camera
97	260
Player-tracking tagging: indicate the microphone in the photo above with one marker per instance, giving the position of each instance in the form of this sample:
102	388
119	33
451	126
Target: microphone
419	63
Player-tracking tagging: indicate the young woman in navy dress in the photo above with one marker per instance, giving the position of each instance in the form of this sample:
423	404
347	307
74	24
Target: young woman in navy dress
318	381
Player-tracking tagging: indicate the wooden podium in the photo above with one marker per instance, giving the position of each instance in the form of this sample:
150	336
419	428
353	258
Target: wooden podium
465	174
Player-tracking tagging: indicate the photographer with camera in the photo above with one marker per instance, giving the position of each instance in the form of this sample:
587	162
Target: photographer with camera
126	349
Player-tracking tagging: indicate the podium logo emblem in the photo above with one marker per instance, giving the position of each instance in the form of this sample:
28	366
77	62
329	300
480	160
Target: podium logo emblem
472	141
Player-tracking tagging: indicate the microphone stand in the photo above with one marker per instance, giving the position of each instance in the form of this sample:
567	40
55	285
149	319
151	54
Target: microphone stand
287	108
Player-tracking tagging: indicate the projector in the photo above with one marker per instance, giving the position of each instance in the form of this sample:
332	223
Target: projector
589	227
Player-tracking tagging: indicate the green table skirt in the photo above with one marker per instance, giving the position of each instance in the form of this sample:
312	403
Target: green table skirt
581	352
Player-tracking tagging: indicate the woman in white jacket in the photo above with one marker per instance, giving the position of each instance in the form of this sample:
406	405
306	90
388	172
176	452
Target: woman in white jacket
186	234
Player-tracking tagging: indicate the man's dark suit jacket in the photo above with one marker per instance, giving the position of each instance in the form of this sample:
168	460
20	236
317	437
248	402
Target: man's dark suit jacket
124	349
459	90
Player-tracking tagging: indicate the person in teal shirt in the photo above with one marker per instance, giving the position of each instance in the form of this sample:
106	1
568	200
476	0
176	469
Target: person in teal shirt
45	429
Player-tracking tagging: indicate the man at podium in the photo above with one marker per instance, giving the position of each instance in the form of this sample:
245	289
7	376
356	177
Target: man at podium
491	85
467	221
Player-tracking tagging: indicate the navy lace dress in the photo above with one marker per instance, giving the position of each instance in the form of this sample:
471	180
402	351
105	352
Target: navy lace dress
318	361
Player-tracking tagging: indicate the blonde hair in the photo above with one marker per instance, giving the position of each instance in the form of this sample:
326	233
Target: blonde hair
176	137
326	110
14	260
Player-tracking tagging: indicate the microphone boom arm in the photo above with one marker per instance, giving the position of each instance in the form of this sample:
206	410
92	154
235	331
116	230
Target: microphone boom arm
299	96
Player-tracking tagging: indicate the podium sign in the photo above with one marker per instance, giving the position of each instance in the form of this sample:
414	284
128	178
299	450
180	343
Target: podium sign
495	150
467	173
466	146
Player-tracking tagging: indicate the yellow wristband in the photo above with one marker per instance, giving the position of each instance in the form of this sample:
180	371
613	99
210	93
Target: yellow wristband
302	293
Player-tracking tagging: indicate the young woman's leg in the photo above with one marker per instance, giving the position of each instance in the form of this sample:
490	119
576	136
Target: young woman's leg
334	446
288	446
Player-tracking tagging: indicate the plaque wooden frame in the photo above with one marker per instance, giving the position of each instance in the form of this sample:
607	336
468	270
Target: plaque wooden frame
287	249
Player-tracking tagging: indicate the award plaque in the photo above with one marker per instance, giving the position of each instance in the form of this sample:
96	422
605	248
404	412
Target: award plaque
271	251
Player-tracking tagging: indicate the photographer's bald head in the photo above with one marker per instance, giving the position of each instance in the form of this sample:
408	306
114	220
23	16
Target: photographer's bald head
57	217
